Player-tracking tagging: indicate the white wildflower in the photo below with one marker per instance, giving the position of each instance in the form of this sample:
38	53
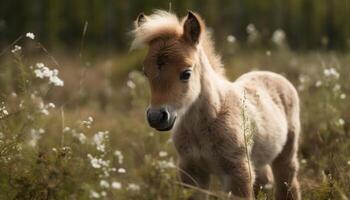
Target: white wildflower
82	138
348	162
87	123
99	140
231	39
116	185
331	72
341	121
66	129
44	108
250	28
94	194
169	141
95	163
98	162
302	78
278	37
163	154
336	88
56	81
130	84
30	35
42	72
104	184
90	119
51	105
5	112
121	170
253	33
133	187
268	53
16	49
163	164
103	193
318	83
119	156
66	148
343	96
35	134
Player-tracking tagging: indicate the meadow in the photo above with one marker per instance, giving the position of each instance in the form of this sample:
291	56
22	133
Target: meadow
72	125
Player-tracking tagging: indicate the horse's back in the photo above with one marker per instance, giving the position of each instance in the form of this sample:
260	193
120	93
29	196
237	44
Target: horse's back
279	89
273	104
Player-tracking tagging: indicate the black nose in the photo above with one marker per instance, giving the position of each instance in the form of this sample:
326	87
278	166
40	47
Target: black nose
158	117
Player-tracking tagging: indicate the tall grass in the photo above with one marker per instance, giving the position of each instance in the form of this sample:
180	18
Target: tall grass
88	138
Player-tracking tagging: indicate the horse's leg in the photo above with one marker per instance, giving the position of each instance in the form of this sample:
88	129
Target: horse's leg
238	179
194	176
285	169
264	178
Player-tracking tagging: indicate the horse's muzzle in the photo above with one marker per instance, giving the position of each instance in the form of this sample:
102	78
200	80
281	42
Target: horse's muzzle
161	118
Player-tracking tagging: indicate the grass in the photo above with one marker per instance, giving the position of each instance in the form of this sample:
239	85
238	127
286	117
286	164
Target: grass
95	143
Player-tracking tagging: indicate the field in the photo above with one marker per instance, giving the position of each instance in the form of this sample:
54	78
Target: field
87	138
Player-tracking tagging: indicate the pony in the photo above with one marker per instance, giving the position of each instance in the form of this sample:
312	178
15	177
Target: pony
244	132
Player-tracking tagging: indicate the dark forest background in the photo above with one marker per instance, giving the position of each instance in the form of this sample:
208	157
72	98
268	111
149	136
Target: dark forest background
309	24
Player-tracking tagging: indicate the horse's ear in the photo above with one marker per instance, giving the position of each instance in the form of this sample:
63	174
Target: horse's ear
192	28
141	18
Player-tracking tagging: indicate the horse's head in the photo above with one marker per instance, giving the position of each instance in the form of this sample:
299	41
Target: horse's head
170	64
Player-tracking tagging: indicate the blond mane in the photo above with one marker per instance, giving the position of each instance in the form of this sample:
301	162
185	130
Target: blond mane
162	23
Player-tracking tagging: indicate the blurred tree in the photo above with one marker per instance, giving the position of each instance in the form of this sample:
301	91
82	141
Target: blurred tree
308	24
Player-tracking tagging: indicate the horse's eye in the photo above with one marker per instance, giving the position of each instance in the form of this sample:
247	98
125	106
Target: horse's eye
185	75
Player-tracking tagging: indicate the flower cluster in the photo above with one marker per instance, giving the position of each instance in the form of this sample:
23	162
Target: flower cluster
44	108
35	135
99	140
16	49
331	72
87	123
3	111
78	135
42	72
30	35
103	165
99	163
163	165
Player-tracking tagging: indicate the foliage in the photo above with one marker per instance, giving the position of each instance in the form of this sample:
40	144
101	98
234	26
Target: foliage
308	24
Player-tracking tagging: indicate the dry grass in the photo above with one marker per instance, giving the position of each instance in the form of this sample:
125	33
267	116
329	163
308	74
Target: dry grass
111	89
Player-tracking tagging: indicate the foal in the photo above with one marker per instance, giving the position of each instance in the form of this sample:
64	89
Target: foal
208	114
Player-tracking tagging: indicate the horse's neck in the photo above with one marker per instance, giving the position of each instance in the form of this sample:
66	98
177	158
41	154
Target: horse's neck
212	86
210	100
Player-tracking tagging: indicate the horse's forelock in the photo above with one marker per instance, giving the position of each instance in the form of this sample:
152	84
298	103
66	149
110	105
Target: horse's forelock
160	23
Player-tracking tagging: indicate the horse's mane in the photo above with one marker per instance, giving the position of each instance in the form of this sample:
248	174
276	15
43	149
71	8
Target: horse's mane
162	23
